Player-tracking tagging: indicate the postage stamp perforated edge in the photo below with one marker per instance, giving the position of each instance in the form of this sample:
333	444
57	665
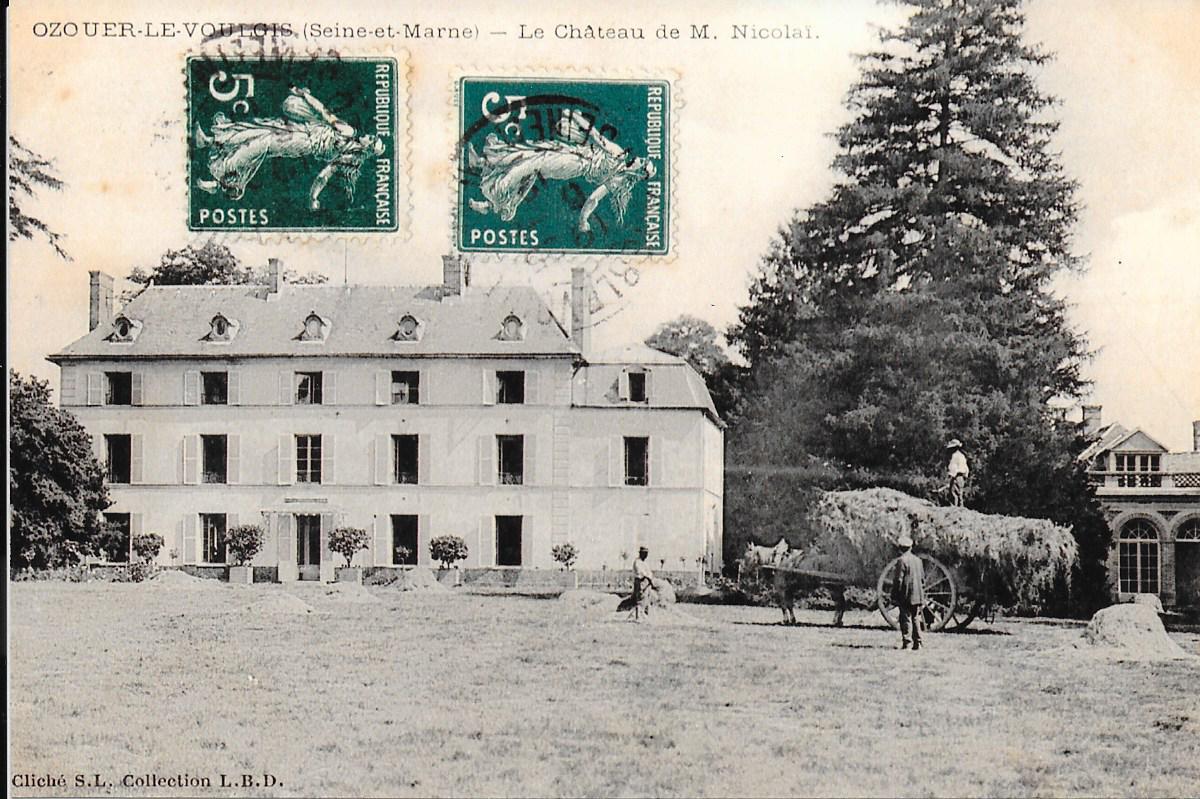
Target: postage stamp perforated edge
590	258
234	51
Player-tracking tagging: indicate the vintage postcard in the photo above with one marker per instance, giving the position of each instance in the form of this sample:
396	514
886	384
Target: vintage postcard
555	398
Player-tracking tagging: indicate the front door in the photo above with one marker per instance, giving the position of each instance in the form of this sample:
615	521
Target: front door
508	541
308	546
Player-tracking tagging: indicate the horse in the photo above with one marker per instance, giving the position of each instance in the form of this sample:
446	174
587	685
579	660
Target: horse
787	583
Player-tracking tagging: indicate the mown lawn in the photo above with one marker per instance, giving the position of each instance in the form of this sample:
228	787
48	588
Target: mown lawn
453	694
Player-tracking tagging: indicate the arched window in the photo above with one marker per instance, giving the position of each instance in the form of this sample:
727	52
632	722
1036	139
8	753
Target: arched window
512	328
408	329
1137	552
1188	531
125	329
315	328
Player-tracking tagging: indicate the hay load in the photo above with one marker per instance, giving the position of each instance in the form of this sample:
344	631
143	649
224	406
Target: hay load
1027	560
1131	632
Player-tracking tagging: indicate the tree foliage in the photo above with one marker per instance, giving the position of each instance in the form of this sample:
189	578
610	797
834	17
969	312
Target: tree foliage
448	550
56	485
915	303
211	264
349	541
28	172
243	542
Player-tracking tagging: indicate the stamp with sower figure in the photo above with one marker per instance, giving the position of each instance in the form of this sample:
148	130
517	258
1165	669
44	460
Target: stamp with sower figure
306	144
564	166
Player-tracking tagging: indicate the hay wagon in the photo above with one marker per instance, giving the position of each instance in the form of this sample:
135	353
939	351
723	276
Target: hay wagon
953	597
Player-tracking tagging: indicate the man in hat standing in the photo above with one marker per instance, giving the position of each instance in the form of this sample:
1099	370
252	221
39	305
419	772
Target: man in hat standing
643	581
908	594
958	472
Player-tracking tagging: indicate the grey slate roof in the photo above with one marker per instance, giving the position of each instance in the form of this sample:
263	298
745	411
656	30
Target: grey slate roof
675	384
363	319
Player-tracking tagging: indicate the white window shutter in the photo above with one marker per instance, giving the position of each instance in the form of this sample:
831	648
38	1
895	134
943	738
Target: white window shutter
328	460
484	460
424	395
326	529
656	476
67	386
95	388
383	540
532	396
329	387
233	387
287	388
487	541
191	388
424	461
100	450
188	548
383	460
529	453
135	524
623	386
136	388
285	541
649	387
489	386
231	521
383	387
287	460
527	533
424	536
616	461
233	463
191	459
136	461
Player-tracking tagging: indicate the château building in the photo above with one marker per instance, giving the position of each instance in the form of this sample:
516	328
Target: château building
410	412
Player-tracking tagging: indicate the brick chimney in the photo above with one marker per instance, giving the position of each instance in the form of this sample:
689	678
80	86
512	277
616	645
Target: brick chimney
100	299
1091	420
581	309
456	275
274	277
1196	436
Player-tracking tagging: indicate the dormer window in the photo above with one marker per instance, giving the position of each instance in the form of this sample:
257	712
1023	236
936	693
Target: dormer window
221	329
408	329
635	386
512	328
125	329
315	328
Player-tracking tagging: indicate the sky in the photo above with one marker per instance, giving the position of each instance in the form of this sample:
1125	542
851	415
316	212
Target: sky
751	146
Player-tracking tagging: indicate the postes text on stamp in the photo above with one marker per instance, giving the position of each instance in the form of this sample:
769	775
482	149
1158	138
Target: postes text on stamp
306	144
564	166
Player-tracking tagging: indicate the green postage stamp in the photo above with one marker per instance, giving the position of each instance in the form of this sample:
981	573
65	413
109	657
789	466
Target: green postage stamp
564	166
303	144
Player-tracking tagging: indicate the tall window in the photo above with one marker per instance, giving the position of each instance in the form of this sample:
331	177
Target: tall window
406	388
404	459
508	540
308	388
215	388
213	527
119	451
118	388
637	460
404	540
308	459
637	386
216	449
512	459
119	527
510	388
1138	471
1138	558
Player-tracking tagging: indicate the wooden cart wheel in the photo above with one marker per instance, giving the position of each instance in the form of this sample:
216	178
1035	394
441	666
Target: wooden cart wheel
940	594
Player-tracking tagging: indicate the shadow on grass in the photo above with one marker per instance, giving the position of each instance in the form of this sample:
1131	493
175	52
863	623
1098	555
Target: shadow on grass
815	625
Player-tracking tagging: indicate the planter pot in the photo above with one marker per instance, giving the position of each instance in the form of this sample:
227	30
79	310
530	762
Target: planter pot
349	575
241	575
451	577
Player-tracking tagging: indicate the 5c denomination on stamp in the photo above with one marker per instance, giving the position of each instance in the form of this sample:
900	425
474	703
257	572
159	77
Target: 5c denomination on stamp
564	166
306	144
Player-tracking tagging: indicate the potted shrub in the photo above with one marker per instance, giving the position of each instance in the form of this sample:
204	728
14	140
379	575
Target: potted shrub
566	555
448	550
242	543
146	547
348	542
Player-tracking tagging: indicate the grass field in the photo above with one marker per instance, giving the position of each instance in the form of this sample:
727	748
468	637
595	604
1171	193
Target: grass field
453	694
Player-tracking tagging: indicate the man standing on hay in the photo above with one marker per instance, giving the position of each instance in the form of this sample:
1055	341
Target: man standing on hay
908	594
958	471
643	583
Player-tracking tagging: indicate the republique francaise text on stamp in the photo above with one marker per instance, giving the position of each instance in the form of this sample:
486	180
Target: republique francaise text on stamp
303	144
564	166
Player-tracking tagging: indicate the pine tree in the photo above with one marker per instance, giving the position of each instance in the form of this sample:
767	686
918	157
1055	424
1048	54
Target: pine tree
916	303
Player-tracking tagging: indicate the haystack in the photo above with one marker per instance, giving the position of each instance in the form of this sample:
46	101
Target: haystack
280	603
174	578
1133	631
857	533
348	592
591	601
418	579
